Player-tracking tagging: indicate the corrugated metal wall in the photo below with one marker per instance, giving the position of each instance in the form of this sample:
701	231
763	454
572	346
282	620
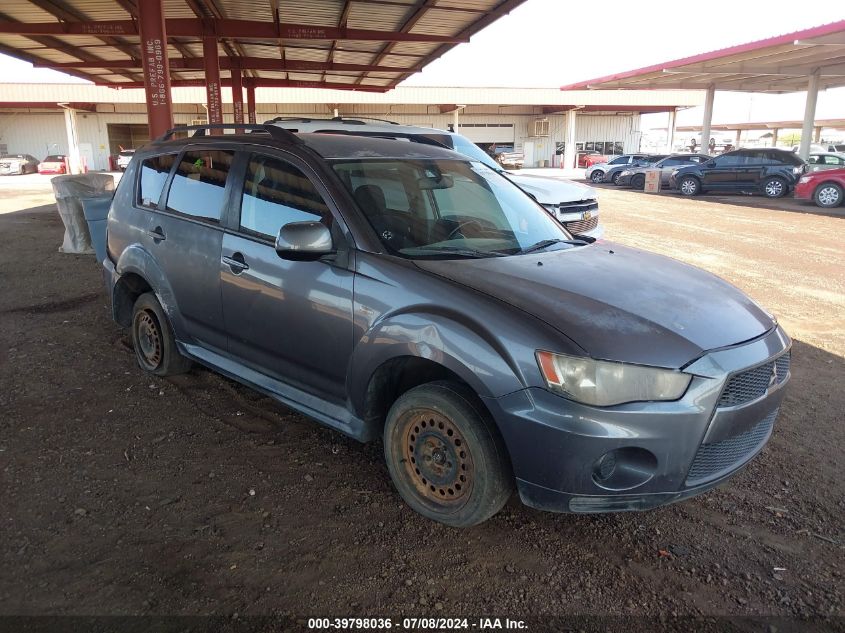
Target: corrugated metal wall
34	133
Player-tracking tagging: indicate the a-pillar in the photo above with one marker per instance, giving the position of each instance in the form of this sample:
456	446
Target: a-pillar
155	64
569	140
74	162
213	93
252	117
670	132
809	115
709	98
237	95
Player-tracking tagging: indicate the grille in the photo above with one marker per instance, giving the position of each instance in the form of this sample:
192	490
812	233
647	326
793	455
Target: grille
575	207
582	226
717	458
753	383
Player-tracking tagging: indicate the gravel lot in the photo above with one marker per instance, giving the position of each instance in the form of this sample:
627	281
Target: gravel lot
124	494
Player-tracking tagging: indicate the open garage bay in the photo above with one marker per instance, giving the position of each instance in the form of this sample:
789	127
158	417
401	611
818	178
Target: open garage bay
124	493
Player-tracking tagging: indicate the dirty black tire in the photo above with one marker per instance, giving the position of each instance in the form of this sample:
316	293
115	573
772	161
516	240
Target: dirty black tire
153	339
445	455
638	182
689	186
775	187
615	178
828	195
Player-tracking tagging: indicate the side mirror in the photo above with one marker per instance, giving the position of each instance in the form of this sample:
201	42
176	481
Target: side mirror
304	241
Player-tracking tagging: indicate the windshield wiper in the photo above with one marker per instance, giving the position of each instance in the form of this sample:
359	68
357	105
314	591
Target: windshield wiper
461	252
546	243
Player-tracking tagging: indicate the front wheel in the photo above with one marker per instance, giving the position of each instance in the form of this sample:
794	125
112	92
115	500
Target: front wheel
153	339
638	182
774	188
689	186
828	195
597	176
445	456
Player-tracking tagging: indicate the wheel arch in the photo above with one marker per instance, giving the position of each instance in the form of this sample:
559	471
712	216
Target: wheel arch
139	273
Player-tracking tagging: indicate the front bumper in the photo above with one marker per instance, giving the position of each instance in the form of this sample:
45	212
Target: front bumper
624	181
569	457
804	190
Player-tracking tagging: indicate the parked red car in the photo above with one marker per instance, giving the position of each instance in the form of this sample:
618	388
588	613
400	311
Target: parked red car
53	164
588	159
826	188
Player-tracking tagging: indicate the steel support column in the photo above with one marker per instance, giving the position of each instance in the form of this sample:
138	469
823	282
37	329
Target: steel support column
569	154
251	116
237	95
74	160
709	97
156	67
809	115
670	132
775	137
212	80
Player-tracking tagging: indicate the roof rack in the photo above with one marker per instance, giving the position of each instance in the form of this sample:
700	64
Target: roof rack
275	132
362	119
357	120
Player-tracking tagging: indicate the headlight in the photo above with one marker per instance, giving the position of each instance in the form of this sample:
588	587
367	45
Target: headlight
627	172
675	172
804	179
604	384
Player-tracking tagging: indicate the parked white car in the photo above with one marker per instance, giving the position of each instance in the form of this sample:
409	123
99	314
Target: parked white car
826	160
573	204
598	172
123	159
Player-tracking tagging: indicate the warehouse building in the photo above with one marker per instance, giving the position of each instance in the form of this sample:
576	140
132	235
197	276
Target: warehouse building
96	122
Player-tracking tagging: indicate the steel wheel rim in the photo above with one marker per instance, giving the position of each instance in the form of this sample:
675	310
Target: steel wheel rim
148	335
437	459
774	188
688	186
828	195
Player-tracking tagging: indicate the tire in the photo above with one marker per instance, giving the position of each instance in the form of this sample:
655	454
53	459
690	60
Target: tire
774	187
638	182
153	339
828	195
597	176
445	456
689	186
615	178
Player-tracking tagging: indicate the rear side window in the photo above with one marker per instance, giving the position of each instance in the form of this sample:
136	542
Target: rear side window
275	193
154	172
199	184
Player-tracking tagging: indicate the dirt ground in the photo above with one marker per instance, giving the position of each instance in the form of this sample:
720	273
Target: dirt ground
125	494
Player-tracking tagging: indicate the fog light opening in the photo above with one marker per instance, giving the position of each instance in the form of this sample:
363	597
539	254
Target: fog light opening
624	468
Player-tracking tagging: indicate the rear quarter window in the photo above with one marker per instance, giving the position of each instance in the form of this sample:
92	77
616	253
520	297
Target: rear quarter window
199	184
153	175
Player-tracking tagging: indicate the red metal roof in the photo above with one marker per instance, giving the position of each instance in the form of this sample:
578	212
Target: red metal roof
777	64
369	45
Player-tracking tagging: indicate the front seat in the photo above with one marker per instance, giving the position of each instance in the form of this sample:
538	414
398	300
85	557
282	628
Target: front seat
371	200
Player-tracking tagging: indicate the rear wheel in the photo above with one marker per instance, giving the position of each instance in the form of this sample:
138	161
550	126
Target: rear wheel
638	181
774	187
445	456
597	176
689	186
153	340
828	195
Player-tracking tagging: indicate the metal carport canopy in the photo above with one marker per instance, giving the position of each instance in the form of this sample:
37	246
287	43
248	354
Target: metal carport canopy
809	60
366	45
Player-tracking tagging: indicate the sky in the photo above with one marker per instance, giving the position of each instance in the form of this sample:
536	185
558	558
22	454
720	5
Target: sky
550	43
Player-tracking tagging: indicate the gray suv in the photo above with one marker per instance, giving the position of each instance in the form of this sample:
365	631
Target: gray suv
400	291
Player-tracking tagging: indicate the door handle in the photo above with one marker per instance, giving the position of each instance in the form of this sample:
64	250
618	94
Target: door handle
236	262
157	234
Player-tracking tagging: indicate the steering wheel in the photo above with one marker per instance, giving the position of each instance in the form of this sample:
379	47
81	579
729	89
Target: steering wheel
462	225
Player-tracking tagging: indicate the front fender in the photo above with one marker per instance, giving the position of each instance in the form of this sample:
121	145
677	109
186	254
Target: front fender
467	350
135	259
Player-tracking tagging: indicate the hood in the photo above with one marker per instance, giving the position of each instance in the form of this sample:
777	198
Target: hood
618	303
549	190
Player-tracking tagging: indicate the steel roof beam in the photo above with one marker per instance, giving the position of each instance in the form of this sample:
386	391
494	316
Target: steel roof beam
257	82
228	63
194	27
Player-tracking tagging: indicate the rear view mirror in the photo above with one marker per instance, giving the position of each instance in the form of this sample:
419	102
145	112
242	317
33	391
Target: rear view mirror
432	182
304	241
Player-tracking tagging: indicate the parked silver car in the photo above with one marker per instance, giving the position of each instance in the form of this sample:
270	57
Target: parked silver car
18	164
634	176
826	160
598	173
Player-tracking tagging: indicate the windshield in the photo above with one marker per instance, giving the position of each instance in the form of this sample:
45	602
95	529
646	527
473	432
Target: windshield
466	147
447	208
